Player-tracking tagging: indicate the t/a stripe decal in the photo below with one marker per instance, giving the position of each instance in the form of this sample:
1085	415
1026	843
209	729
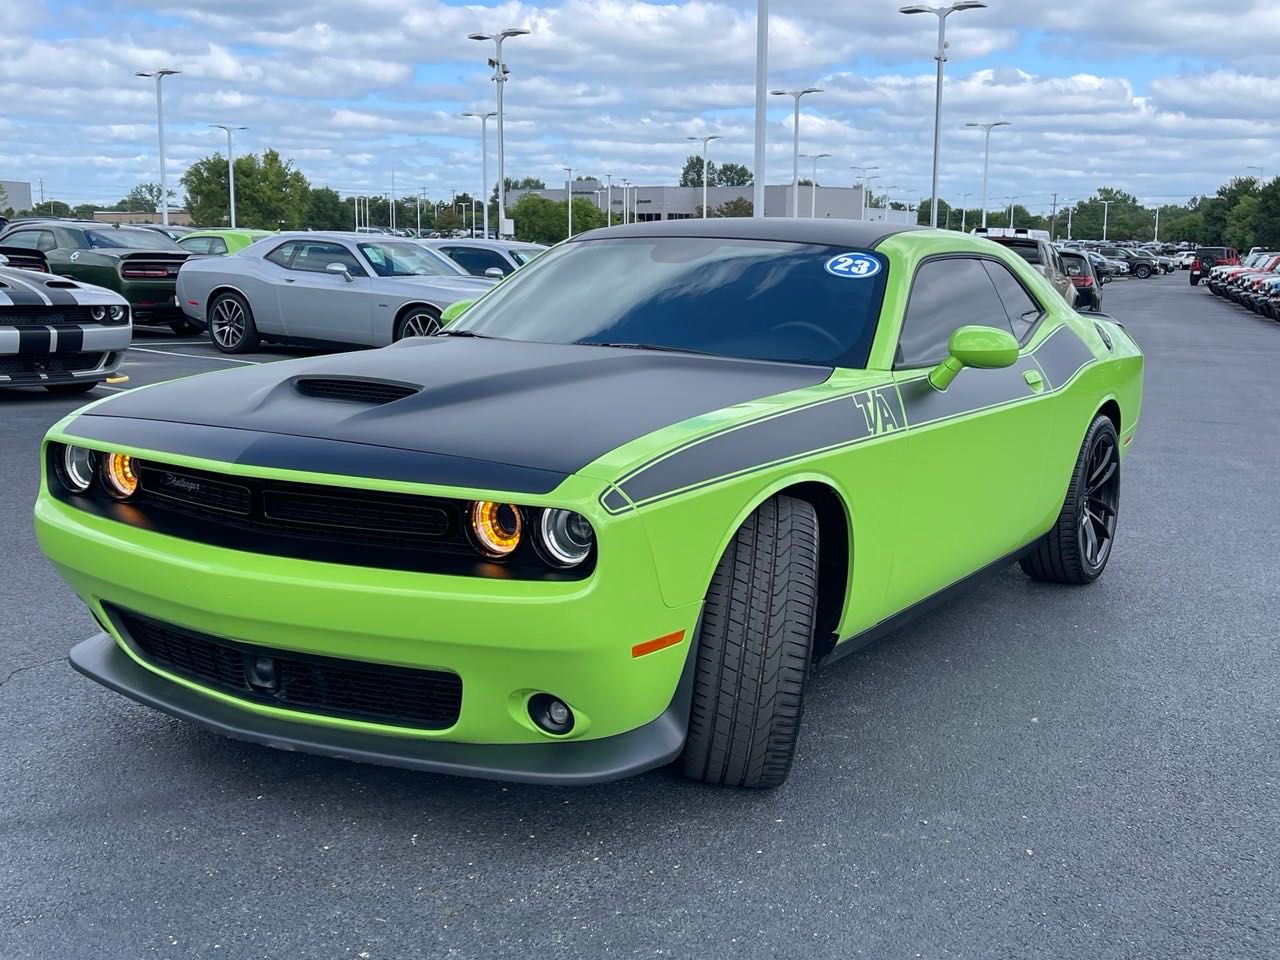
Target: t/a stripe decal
38	340
69	337
1062	356
801	432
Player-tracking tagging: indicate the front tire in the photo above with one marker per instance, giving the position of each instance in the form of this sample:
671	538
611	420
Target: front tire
231	326
1078	547
754	650
417	322
1142	271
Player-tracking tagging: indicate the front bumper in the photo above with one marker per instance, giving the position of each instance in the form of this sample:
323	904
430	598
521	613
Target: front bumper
38	356
568	763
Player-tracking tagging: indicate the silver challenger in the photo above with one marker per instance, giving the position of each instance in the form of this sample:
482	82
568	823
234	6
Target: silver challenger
57	333
323	288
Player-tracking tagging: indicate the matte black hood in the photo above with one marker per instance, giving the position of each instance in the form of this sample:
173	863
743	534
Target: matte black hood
546	410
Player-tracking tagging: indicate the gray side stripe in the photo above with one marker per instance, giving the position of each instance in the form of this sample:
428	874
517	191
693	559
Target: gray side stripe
752	446
1062	356
972	390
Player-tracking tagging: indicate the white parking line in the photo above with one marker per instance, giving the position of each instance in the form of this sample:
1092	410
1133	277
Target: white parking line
194	356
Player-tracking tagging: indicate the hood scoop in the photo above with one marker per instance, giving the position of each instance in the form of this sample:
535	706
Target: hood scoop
354	389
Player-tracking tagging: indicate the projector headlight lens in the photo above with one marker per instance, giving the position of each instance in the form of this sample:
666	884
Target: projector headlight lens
566	537
497	527
116	313
98	313
120	474
78	466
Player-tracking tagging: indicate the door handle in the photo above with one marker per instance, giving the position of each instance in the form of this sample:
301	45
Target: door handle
288	279
1034	380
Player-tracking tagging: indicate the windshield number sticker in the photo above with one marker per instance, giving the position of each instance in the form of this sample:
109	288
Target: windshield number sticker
853	266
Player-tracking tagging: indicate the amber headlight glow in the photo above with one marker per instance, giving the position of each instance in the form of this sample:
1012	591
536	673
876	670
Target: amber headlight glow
78	465
120	475
496	526
565	537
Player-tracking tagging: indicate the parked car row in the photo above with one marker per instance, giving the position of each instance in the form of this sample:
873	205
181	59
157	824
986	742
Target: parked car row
1254	283
1206	258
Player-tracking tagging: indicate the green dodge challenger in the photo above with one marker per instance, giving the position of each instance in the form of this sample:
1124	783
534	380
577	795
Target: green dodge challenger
612	517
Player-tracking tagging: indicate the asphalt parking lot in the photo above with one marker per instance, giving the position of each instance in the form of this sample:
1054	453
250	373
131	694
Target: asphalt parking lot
1031	771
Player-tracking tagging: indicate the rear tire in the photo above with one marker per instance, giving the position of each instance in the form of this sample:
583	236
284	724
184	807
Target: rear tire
231	326
1077	548
1195	280
754	650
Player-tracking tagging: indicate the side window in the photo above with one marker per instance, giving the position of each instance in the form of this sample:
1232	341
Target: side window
313	257
476	260
283	254
1021	307
31	240
946	294
217	245
195	244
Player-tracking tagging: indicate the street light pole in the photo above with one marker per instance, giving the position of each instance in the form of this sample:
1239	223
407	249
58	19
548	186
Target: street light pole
863	170
941	56
964	211
1106	209
626	187
231	168
1254	166
568	192
500	72
484	161
986	160
888	201
164	191
795	147
762	104
608	214
813	190
705	141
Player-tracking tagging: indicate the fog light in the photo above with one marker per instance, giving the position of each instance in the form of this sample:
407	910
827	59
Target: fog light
550	714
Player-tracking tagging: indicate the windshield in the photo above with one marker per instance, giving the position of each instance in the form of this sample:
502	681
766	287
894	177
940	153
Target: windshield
392	259
757	299
127	239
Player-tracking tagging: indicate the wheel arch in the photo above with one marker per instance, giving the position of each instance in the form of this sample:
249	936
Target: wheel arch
412	305
1111	409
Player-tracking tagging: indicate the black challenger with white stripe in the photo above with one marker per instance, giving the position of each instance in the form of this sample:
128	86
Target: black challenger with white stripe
57	333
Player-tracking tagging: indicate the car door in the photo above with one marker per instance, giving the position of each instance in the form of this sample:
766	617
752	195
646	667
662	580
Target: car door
317	305
973	490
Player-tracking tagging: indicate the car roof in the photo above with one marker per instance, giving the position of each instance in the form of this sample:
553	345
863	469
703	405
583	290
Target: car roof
482	242
859	234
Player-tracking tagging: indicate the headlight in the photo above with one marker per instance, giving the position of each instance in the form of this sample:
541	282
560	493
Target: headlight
497	527
78	466
120	473
116	313
98	313
566	537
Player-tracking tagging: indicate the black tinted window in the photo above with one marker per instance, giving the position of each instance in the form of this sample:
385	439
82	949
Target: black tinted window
282	254
217	245
30	240
476	260
1021	307
946	294
195	244
760	299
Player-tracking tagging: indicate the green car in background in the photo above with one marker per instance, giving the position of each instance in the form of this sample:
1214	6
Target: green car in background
612	516
139	264
220	242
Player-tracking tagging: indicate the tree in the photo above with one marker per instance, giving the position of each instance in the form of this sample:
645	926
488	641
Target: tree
270	193
524	183
144	198
1238	231
1266	221
327	211
733	175
691	175
737	207
539	220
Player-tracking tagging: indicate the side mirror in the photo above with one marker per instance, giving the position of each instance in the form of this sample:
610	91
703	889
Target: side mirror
339	270
3	259
984	348
494	273
453	311
1105	278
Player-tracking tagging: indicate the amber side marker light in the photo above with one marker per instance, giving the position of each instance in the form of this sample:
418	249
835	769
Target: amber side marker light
657	643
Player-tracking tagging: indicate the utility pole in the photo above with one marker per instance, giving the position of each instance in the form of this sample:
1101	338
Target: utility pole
1157	237
608	214
762	104
1053	215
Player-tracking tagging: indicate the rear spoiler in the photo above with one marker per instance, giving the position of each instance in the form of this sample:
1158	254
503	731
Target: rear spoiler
22	258
156	255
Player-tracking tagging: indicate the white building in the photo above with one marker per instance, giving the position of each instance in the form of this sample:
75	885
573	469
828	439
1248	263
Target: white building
684	203
15	194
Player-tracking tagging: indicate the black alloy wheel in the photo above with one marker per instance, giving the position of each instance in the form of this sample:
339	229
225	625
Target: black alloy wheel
1101	501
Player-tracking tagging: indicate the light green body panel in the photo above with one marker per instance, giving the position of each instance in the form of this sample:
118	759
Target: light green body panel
925	503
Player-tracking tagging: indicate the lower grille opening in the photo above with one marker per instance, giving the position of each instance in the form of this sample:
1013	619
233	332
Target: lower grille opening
426	699
50	363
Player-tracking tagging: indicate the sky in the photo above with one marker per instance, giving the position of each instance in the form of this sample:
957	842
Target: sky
1163	98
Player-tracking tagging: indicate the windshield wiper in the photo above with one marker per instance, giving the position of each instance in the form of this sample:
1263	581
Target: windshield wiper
648	346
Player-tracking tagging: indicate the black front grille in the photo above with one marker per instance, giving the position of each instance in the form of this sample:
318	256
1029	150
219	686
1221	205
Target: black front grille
50	363
353	389
48	316
427	699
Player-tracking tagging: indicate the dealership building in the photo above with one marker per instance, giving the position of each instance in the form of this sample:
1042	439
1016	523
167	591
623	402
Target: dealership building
15	194
684	203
